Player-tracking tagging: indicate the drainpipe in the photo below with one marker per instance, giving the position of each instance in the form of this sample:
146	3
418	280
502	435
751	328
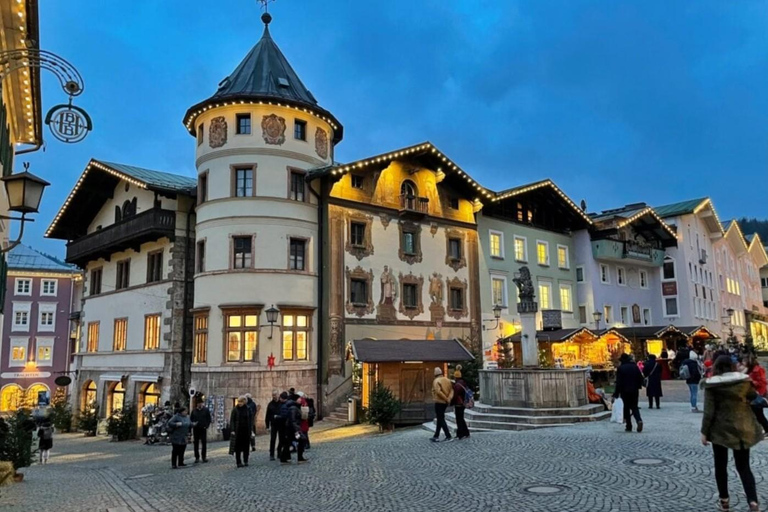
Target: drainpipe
320	314
186	367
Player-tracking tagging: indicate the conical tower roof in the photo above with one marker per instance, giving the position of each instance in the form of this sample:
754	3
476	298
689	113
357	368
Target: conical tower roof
264	76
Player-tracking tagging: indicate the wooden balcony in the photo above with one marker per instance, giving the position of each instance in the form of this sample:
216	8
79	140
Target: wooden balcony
413	206
623	250
129	233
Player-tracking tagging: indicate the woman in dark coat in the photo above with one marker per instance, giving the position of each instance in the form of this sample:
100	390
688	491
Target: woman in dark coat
652	371
240	421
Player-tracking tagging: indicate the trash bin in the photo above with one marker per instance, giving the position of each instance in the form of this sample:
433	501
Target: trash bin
352	412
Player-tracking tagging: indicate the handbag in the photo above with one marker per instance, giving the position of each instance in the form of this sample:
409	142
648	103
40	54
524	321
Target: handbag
645	380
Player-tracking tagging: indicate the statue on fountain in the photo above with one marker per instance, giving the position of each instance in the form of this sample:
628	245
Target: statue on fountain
526	293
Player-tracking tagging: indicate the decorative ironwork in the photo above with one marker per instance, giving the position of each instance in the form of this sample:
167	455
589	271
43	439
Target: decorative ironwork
68	123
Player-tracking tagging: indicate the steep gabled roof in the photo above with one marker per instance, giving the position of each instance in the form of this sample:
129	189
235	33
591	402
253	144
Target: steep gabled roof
693	206
95	187
264	76
23	257
735	236
758	251
643	217
542	184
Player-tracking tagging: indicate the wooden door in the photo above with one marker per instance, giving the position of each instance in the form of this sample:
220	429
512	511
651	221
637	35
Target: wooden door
412	393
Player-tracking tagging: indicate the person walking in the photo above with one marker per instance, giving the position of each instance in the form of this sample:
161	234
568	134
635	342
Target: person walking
240	423
272	420
692	377
179	426
303	402
442	392
253	407
459	397
629	380
201	420
45	443
652	372
294	430
756	374
729	423
284	435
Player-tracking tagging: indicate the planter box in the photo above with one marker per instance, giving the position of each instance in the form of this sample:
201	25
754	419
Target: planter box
534	387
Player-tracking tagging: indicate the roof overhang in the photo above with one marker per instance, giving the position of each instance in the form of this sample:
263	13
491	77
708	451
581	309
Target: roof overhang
426	154
405	351
558	335
196	110
757	251
20	30
646	221
706	211
547	184
736	239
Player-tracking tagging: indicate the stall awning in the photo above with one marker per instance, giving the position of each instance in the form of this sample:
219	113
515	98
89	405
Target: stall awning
393	351
556	335
645	332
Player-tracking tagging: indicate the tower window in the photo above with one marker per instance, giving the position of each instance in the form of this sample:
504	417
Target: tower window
200	134
243	124
243	184
242	252
299	129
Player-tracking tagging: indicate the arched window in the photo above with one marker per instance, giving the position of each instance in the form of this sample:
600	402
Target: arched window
33	394
129	208
11	397
149	395
118	214
408	189
89	395
116	397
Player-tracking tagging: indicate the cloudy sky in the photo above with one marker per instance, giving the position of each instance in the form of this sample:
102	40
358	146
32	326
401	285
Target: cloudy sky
617	102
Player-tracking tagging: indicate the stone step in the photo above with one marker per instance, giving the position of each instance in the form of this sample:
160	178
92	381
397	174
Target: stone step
533	420
585	410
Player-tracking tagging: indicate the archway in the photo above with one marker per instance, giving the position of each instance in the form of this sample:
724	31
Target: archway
33	392
115	397
89	395
11	397
149	395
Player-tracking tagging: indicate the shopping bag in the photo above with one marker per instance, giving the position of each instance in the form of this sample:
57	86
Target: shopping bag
617	413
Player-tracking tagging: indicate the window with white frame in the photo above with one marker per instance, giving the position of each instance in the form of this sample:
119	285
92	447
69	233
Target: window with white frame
566	298
670	306
644	279
545	295
580	274
496	242
621	276
46	317
521	249
605	274
23	286
49	287
18	353
646	316
44	351
542	252
21	316
563	259
624	314
608	314
499	290
583	314
668	269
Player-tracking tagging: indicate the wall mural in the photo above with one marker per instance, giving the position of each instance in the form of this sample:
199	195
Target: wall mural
217	133
436	309
359	309
412	311
414	254
386	309
273	129
461	287
321	143
359	251
450	260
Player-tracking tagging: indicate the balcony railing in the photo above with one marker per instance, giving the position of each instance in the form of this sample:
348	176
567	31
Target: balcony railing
128	233
414	204
622	250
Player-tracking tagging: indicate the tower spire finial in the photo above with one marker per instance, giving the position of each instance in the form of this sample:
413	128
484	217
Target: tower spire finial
266	17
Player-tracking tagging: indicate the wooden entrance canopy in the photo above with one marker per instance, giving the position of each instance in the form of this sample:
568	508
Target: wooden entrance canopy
402	351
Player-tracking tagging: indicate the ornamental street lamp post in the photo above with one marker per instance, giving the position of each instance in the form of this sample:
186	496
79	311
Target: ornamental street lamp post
25	191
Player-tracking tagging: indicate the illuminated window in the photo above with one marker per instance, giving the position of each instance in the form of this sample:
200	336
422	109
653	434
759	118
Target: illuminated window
151	332
93	337
296	329
19	351
566	298
562	257
542	252
44	351
11	398
116	398
242	336
120	336
521	253
545	295
200	342
498	289
496	240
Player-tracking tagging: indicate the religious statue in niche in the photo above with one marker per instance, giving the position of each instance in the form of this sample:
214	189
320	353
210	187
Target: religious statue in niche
524	285
386	309
436	309
217	133
321	143
273	129
636	314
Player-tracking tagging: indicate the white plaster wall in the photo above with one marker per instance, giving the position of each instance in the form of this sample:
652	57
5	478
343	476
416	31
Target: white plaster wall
145	200
138	266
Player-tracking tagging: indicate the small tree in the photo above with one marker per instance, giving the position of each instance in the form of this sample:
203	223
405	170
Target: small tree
383	406
121	424
61	414
17	446
89	421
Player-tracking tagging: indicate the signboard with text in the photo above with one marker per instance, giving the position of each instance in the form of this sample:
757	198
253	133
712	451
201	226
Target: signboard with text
669	288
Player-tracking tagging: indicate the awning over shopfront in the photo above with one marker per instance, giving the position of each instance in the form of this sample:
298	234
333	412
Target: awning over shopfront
656	331
400	351
111	377
145	378
556	335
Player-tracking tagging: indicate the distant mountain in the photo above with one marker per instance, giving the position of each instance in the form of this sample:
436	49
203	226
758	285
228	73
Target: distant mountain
749	226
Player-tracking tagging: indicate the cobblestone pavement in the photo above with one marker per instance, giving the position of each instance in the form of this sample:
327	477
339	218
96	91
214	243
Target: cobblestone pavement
588	467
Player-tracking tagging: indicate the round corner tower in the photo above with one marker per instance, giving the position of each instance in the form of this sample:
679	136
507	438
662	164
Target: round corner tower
257	230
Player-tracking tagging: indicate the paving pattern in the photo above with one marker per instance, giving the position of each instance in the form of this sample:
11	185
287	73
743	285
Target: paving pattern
588	467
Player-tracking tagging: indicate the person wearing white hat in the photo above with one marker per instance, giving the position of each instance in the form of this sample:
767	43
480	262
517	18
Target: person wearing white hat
442	392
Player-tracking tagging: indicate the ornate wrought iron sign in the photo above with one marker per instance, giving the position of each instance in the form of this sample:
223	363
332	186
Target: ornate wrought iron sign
68	123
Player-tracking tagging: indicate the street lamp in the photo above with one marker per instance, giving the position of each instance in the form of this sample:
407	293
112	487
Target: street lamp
496	315
24	191
272	318
597	315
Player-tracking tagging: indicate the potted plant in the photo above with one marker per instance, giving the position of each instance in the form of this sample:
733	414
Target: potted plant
88	422
16	446
383	407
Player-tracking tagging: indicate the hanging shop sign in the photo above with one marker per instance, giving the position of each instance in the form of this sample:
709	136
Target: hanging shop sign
68	123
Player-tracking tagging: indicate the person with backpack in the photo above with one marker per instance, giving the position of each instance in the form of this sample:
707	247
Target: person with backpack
461	396
756	374
652	373
629	380
729	423
690	371
272	421
45	443
442	393
179	427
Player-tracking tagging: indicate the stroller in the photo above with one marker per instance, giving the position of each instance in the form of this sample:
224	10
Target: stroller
157	433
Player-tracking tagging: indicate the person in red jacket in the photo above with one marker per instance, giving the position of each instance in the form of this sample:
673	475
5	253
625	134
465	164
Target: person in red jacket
304	402
757	375
459	395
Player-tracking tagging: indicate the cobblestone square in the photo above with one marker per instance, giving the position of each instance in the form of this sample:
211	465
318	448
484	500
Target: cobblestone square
593	467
